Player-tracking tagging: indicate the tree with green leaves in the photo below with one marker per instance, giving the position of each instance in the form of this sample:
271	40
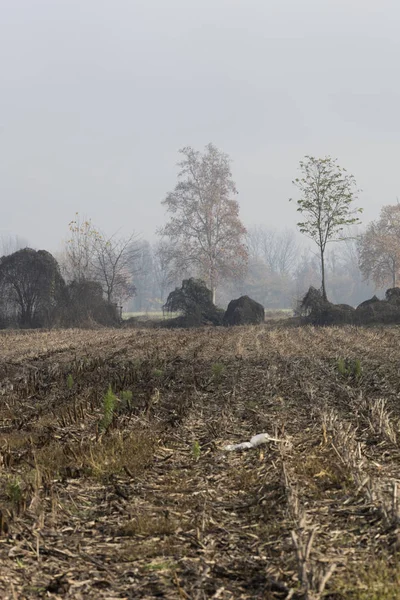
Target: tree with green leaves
327	192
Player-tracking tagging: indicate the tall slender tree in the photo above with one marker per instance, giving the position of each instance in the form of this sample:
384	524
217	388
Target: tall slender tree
204	226
327	193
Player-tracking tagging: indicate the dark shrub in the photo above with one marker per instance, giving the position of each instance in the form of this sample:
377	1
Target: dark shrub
244	311
318	311
194	300
393	295
377	312
369	301
88	306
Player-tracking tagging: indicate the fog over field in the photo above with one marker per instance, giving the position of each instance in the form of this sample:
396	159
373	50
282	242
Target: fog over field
96	98
199	299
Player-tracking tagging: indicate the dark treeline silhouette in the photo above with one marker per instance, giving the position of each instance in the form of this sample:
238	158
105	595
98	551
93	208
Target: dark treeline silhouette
36	291
34	294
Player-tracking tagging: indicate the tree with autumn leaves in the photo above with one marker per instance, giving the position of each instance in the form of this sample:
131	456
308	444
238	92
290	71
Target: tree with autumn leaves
205	232
379	248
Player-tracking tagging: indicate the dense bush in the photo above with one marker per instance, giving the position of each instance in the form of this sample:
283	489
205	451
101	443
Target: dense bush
314	309
244	311
33	294
194	300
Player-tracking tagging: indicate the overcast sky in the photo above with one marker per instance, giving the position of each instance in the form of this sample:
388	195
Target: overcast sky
97	96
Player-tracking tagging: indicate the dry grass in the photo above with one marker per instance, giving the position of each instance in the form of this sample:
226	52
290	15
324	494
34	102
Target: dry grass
133	497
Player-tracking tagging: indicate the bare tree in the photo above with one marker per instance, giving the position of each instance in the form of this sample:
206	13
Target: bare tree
164	269
142	272
204	224
78	260
93	256
10	243
112	259
278	250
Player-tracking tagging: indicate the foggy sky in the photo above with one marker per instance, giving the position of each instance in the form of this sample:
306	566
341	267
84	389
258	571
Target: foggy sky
97	96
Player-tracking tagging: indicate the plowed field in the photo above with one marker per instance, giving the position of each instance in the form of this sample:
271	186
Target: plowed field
130	494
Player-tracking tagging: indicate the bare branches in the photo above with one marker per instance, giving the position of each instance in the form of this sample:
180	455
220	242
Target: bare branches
327	193
278	250
93	256
204	225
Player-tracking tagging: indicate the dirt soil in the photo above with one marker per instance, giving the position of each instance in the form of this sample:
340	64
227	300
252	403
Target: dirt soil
130	494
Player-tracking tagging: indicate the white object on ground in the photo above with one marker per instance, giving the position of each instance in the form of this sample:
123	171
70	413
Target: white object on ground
256	440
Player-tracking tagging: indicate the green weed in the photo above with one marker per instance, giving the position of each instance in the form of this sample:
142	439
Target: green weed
109	404
126	399
349	368
14	493
217	370
196	450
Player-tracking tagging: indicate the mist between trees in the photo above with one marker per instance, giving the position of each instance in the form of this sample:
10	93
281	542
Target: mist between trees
96	275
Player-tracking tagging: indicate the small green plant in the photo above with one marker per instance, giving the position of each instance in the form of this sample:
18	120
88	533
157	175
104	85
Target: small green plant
126	399
217	370
14	492
341	365
196	450
70	381
158	372
350	368
109	404
137	363
357	369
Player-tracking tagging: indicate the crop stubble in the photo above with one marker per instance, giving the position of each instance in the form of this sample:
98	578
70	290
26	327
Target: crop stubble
152	507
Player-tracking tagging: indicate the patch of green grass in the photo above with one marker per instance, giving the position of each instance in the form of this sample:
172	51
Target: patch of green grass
379	580
14	492
126	399
341	365
160	566
109	455
70	381
350	368
217	370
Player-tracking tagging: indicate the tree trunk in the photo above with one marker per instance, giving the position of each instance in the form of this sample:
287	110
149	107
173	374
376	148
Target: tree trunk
324	296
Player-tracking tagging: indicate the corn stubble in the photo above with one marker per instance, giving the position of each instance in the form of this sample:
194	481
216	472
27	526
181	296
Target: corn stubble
113	482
